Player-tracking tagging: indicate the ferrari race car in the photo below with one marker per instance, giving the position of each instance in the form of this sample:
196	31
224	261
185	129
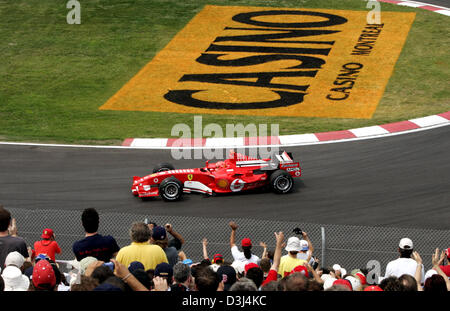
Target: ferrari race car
235	174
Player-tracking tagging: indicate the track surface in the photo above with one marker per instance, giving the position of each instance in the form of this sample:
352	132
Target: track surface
398	181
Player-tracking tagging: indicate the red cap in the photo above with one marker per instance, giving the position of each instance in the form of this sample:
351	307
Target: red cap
43	274
301	269
47	233
246	242
250	265
362	278
373	288
343	282
217	257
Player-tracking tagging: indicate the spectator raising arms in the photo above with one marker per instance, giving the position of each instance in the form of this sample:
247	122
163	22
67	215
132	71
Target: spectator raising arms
159	237
290	261
101	247
246	255
9	242
47	245
140	249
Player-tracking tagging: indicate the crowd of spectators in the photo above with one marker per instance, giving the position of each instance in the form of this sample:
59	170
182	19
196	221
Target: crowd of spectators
153	262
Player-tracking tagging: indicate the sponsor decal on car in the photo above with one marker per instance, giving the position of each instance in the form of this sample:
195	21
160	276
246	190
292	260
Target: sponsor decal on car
271	62
237	185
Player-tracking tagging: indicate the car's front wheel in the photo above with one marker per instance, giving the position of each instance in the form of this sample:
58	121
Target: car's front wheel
171	189
281	182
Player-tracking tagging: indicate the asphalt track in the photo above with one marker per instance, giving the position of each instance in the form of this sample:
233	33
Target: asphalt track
397	181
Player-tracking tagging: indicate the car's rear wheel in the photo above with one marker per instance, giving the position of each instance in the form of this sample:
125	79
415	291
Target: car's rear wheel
281	182
163	167
171	189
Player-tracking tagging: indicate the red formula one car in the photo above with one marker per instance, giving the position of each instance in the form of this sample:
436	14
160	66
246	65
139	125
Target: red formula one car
235	174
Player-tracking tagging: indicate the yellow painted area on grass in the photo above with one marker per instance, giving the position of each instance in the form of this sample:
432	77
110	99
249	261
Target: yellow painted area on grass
271	62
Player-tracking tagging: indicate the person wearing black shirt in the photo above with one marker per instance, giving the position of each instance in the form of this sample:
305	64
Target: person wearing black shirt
94	244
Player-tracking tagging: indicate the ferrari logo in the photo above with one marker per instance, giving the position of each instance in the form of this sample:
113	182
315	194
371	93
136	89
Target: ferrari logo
190	176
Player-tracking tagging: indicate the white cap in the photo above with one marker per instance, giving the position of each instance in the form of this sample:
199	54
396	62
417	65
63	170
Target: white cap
328	283
405	243
304	245
336	267
356	283
14	259
429	273
293	245
14	279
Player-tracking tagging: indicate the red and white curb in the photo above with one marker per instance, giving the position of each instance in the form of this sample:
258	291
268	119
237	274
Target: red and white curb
376	131
421	5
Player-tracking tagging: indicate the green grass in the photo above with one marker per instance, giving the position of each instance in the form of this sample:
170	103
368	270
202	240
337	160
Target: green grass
55	76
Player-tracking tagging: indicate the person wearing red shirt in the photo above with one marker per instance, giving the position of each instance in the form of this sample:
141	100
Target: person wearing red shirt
47	245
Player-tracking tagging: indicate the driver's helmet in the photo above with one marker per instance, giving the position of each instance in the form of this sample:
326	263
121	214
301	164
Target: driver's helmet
221	164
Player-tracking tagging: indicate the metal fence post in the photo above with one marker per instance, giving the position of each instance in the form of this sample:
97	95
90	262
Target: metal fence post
322	229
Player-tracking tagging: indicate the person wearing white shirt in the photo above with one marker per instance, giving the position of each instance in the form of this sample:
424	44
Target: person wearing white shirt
246	255
404	264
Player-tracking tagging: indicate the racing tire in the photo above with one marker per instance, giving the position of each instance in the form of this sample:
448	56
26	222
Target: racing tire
281	182
163	167
171	189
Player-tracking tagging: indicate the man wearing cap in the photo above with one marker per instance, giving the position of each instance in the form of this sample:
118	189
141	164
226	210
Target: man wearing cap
290	261
47	245
246	255
140	249
405	264
9	242
44	278
159	237
307	249
165	271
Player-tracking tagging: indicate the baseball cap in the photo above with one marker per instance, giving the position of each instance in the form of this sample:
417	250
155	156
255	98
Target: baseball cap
355	281
86	262
14	259
135	265
228	275
302	269
217	257
164	270
304	245
293	244
14	279
159	233
246	242
344	282
43	275
188	262
428	274
405	243
328	282
47	233
250	266
373	288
